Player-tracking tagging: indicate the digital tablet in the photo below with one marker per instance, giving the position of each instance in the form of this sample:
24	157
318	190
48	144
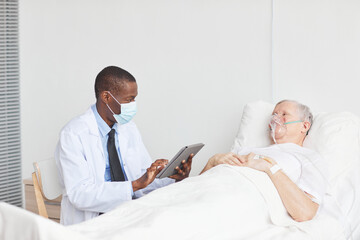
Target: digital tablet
183	154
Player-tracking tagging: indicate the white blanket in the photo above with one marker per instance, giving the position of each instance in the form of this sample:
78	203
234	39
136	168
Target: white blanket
224	203
19	224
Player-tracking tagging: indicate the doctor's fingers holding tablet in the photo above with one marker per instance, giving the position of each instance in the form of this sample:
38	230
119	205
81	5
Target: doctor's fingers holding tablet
183	171
149	175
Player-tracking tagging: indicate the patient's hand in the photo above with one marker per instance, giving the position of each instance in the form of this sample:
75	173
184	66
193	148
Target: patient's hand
184	171
262	164
227	158
150	174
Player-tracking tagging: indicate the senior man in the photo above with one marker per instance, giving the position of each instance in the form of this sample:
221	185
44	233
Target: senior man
101	159
297	173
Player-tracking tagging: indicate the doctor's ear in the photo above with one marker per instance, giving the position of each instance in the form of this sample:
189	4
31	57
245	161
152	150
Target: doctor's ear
104	97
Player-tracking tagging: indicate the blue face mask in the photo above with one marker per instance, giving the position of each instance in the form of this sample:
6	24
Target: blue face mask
128	111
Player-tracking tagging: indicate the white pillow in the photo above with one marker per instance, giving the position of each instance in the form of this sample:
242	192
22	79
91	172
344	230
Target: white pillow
254	128
334	135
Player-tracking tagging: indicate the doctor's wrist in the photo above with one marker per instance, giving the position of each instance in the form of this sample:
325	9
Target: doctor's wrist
136	185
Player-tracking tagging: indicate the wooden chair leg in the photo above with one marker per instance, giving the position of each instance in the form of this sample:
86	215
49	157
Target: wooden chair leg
39	198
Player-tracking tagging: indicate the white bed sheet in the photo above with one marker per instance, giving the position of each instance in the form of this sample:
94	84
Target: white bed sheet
19	224
224	203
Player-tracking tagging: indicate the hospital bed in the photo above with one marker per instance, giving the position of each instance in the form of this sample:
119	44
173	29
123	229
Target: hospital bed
214	206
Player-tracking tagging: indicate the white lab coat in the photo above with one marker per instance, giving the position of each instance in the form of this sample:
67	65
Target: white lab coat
81	165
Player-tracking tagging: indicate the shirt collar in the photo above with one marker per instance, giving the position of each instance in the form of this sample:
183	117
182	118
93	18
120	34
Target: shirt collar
104	129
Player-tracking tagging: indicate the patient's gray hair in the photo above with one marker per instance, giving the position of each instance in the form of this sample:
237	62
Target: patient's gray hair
303	110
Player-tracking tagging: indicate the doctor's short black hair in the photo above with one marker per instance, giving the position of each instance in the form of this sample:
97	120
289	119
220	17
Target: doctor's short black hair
111	79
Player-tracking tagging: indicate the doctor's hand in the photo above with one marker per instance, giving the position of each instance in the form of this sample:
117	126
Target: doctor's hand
184	171
150	174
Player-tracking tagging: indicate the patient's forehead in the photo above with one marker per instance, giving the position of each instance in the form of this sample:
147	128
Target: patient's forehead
289	107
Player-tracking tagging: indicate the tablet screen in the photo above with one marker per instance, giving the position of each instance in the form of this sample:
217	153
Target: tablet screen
183	154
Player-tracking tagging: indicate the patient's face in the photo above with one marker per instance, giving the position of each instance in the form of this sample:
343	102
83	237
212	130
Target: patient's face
288	111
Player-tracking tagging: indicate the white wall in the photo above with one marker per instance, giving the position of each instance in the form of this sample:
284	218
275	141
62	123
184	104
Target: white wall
317	53
196	62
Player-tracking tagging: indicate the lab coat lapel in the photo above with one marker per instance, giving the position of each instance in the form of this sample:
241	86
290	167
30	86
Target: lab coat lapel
91	120
94	132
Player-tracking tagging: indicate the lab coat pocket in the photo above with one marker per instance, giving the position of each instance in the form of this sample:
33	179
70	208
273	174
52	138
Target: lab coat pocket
94	156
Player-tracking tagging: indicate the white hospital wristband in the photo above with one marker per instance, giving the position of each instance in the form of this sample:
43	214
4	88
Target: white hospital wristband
274	169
